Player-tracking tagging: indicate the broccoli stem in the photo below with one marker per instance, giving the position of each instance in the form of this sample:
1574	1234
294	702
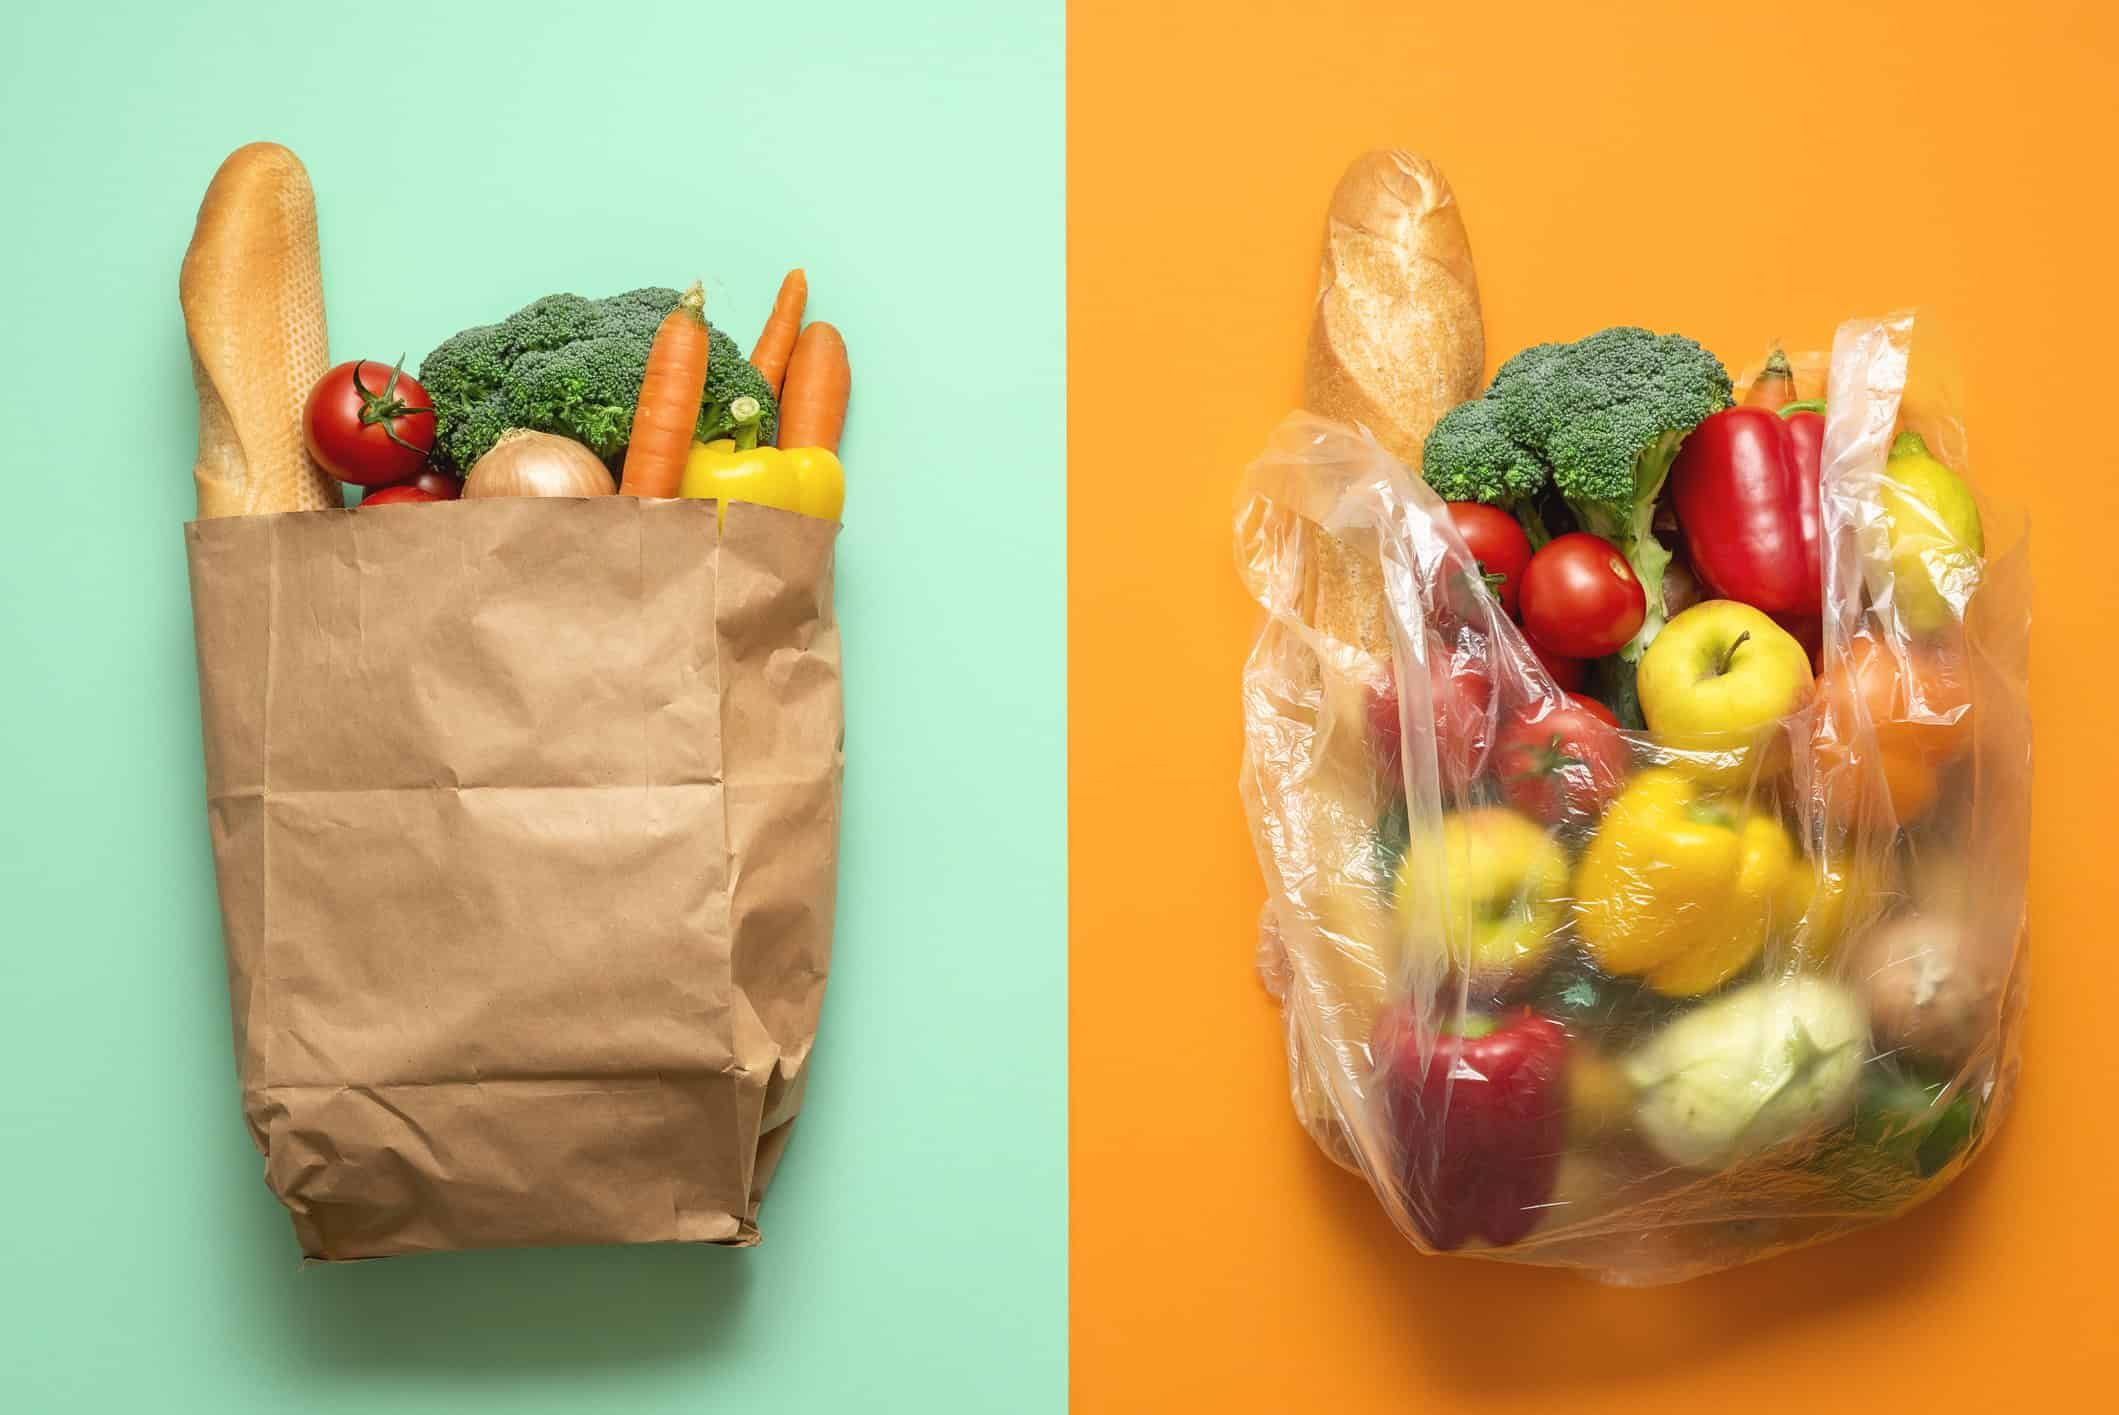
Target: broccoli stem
745	432
1526	513
1649	558
1617	682
1634	537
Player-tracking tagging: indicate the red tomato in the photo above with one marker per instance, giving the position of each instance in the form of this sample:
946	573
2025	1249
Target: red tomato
369	424
1463	693
1497	543
1384	731
1561	760
1580	597
1592	706
440	483
1569	674
404	491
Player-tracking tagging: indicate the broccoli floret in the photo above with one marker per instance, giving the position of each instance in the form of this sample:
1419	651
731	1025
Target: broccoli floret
1527	364
572	366
464	379
1608	413
729	376
1467	457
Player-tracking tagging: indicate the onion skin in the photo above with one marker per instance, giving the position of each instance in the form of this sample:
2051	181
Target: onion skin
525	463
1930	989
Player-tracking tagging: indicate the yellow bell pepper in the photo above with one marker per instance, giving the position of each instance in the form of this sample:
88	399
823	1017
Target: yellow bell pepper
820	482
805	480
1831	898
1681	888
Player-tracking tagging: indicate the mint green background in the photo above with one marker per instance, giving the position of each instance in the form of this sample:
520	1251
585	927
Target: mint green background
911	158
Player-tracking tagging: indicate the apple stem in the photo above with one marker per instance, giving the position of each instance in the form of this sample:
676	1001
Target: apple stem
1722	664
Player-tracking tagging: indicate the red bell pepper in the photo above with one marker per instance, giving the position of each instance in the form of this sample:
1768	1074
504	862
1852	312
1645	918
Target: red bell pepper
1480	1124
1745	486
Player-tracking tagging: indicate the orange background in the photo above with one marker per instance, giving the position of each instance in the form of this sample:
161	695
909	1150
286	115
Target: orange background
1738	173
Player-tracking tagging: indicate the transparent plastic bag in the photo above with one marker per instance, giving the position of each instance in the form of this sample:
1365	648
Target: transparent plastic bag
1652	1011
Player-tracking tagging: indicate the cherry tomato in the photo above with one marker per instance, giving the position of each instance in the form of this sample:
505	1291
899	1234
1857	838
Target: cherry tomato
403	492
1561	760
1580	598
1462	690
1497	543
1568	674
368	423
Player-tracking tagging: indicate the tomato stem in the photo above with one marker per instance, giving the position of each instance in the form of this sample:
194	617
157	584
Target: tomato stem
386	407
1710	813
1552	759
1470	1027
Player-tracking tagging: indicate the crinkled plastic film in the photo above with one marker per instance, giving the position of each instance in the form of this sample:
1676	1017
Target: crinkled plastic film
1848	1067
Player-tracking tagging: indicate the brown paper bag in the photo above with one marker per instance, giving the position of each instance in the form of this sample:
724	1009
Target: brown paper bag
525	815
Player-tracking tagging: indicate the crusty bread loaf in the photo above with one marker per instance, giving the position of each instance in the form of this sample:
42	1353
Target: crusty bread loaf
1396	341
253	295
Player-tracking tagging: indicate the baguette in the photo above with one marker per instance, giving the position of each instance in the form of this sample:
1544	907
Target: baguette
1396	341
253	296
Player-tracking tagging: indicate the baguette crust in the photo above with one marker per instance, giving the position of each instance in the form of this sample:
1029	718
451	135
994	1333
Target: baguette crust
1346	600
252	289
1397	340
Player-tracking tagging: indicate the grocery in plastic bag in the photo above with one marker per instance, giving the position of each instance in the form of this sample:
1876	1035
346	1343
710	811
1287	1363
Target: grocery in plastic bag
1655	999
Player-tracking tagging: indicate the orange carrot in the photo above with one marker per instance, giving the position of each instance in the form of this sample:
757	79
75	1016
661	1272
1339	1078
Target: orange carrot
777	340
668	407
1775	384
813	410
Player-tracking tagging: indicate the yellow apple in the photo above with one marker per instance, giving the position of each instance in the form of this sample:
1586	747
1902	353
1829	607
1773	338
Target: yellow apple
1496	885
1715	684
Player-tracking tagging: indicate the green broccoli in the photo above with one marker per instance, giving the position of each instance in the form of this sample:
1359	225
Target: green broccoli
1608	413
1525	364
572	366
1467	457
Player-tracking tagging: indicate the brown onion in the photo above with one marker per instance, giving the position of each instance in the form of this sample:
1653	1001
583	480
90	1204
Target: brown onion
1931	989
525	463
